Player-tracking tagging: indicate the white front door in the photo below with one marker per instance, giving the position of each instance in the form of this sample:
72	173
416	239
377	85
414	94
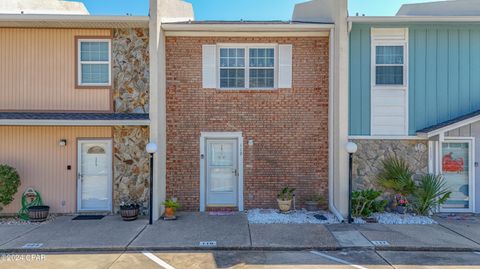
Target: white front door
457	168
222	172
94	191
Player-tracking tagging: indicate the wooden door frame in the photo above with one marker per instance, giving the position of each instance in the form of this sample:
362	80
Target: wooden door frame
203	178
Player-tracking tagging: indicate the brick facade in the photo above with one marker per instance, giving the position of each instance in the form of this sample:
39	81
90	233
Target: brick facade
289	126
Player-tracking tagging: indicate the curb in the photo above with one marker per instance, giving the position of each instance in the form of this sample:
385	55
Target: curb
232	248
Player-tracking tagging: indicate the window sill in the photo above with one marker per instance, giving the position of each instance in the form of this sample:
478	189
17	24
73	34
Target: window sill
92	87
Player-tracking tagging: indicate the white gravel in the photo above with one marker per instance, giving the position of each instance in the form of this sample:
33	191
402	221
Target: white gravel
272	216
392	218
18	221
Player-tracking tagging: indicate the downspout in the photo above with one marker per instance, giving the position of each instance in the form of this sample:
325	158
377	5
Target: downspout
331	146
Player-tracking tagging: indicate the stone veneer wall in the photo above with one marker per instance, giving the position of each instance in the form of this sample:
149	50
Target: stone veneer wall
130	166
131	70
368	159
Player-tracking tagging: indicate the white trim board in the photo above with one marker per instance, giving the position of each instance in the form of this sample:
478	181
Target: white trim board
227	135
385	137
450	127
74	122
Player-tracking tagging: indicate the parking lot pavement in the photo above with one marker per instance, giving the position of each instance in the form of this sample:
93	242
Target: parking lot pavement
206	260
431	260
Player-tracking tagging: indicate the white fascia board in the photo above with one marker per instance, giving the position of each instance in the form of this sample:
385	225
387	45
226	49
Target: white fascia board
450	127
74	122
250	27
412	19
383	137
31	20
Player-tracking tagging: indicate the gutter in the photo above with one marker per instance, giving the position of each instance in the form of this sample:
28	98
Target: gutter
243	27
412	19
13	122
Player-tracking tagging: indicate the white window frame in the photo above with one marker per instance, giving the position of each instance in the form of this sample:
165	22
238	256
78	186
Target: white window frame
80	62
389	37
247	67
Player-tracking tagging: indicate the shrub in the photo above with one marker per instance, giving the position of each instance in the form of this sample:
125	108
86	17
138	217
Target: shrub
286	194
430	192
9	183
397	176
366	202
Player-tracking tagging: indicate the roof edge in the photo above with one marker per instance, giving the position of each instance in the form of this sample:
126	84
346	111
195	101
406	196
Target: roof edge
393	19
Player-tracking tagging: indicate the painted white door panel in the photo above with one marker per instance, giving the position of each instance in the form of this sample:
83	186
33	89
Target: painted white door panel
222	172
94	175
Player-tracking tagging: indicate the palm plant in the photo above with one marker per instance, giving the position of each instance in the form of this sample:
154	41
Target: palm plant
397	176
430	193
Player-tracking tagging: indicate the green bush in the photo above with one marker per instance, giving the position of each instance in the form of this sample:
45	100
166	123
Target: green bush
397	176
9	183
366	202
430	192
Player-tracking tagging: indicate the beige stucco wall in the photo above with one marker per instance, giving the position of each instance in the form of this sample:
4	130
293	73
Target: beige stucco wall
37	71
42	163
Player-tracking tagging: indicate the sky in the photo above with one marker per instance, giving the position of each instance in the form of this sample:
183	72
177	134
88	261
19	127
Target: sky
242	9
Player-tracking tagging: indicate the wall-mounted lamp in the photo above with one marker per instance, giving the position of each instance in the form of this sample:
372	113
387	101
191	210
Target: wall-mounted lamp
62	142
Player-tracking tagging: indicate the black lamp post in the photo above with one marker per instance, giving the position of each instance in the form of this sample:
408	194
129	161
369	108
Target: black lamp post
351	149
151	149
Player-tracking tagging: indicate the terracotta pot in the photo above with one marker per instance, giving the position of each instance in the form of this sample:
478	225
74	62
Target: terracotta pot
38	213
284	206
169	212
129	214
311	205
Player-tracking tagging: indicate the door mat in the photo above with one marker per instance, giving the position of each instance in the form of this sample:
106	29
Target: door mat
221	213
88	217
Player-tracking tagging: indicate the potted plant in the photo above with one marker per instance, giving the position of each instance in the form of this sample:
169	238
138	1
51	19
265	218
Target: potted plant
402	204
284	199
129	210
312	202
38	213
171	206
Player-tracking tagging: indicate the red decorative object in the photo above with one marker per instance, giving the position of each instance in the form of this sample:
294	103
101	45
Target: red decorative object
451	165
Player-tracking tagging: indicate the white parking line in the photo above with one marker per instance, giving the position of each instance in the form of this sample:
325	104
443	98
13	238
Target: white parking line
157	260
478	253
337	260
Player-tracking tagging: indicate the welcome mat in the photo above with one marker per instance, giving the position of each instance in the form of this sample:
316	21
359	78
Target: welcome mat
221	213
88	217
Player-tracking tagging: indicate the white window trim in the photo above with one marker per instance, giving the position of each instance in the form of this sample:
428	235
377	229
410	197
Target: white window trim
247	64
380	37
79	61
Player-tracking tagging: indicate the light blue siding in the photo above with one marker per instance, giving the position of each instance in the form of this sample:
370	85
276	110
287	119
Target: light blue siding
444	74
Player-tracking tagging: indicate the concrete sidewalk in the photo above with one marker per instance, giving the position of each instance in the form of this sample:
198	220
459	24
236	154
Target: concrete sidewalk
197	231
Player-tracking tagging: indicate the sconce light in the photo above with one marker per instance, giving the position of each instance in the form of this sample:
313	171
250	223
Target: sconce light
62	142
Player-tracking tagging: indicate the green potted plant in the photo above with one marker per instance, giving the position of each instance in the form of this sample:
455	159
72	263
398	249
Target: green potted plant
284	199
129	210
171	206
312	202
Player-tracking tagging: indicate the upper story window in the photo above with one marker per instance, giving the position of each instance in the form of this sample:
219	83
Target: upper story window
94	62
247	67
389	65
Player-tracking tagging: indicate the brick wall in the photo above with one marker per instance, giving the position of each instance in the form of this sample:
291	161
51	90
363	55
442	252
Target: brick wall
289	126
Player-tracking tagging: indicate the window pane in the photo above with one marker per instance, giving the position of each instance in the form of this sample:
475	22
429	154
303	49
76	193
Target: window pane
232	57
94	51
261	78
95	73
389	55
389	75
232	78
455	169
262	57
